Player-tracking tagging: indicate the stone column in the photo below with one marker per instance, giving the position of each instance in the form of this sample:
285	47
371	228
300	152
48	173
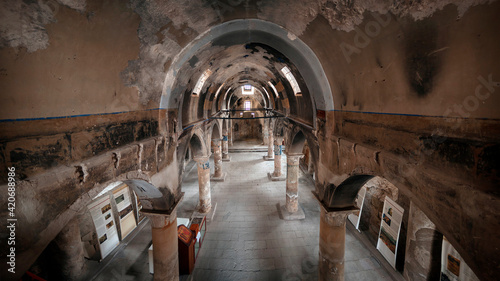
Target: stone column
231	135
292	182
277	175
165	245
423	247
218	174
310	165
225	149
332	244
265	133
67	253
292	210
270	146
205	203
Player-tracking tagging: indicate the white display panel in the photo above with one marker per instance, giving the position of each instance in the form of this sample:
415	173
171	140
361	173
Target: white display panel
104	223
125	210
387	243
453	268
360	200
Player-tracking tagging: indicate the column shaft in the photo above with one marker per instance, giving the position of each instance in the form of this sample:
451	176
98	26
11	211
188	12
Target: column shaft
217	158
423	247
270	152
292	183
277	158
231	134
204	184
225	147
332	245
165	248
265	133
67	252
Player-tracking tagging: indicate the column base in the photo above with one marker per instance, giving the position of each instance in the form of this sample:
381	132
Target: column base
285	215
221	178
267	158
226	159
273	178
210	214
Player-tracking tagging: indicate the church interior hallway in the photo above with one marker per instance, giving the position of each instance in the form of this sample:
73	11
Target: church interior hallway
246	239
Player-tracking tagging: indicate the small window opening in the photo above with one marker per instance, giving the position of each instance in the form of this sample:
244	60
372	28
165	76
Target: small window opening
248	90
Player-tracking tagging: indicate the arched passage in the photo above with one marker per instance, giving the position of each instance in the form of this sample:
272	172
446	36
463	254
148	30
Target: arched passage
243	32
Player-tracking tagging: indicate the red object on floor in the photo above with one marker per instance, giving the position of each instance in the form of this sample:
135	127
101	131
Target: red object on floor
32	277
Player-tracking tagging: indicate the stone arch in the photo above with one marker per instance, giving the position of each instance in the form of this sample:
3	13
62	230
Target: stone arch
197	146
296	142
216	130
261	32
279	127
191	141
344	195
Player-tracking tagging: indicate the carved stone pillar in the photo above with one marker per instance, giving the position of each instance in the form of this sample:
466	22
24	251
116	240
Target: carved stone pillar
225	149
165	245
292	182
332	244
270	147
292	210
423	247
205	203
277	175
67	253
265	134
218	174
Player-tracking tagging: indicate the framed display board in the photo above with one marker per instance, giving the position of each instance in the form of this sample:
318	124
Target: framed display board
125	210
453	268
388	237
360	199
140	216
104	223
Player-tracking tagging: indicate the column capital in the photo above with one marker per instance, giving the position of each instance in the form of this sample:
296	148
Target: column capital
335	217
201	159
288	154
161	219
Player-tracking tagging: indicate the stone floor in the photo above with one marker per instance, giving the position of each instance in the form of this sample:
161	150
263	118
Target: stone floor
248	145
246	239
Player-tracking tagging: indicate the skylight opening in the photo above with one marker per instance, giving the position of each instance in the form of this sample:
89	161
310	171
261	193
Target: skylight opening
291	79
201	81
247	89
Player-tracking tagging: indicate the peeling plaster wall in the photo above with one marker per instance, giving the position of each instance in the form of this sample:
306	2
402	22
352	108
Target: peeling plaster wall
427	67
346	15
23	23
75	68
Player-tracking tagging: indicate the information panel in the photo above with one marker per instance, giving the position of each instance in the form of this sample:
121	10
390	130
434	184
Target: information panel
104	223
360	200
453	268
388	237
140	216
125	210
